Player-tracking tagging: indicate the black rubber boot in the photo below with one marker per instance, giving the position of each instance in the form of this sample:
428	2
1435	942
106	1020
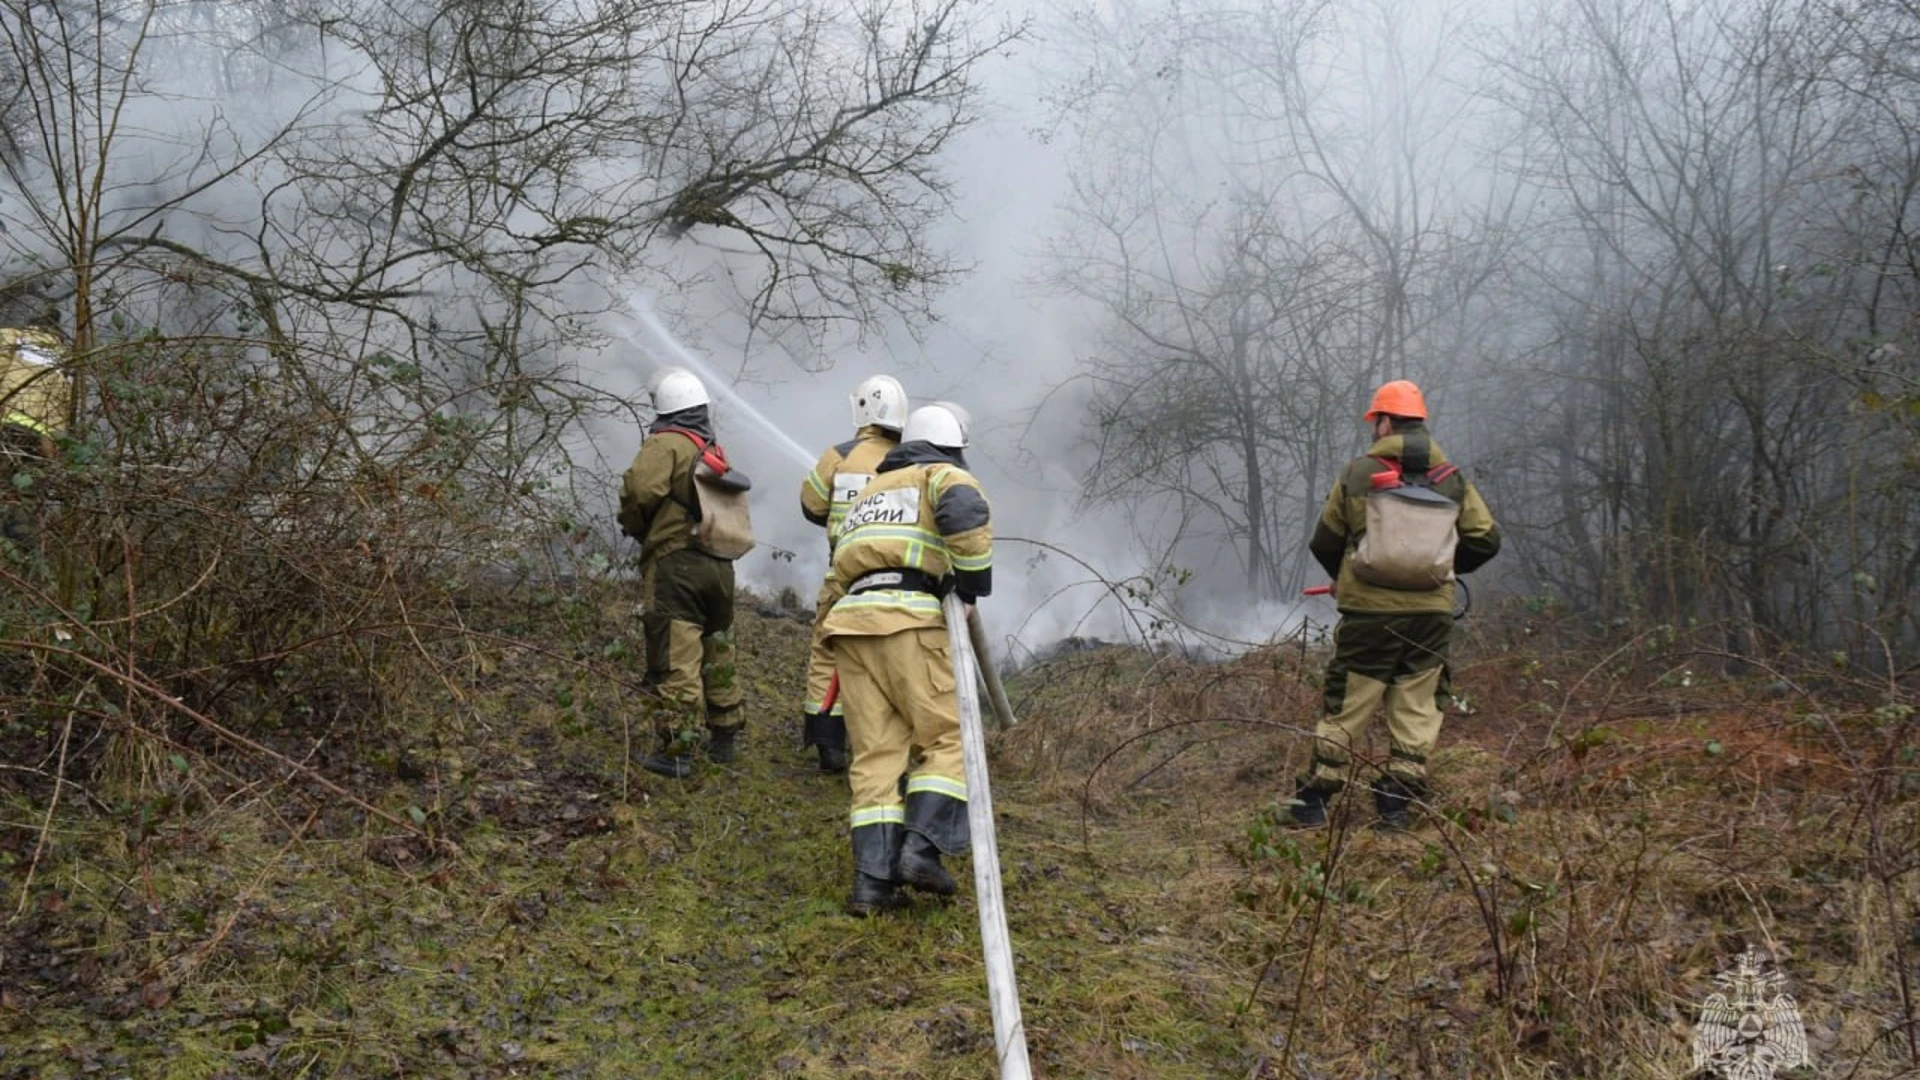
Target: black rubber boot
828	734
721	749
1309	807
874	892
671	766
873	896
919	866
834	759
1392	797
936	825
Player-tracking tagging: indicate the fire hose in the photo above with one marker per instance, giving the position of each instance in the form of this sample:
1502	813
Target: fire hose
1009	1031
989	671
969	649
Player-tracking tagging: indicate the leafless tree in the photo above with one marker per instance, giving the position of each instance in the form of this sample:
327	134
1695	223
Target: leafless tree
326	265
1702	459
1266	249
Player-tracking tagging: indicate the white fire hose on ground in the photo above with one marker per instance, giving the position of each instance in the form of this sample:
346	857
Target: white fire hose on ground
1009	1031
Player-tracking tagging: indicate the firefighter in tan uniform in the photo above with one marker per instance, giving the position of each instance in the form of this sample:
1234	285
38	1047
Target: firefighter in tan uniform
35	394
920	528
879	411
686	593
1391	642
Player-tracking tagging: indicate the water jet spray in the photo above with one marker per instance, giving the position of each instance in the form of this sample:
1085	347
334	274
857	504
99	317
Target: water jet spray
685	357
665	343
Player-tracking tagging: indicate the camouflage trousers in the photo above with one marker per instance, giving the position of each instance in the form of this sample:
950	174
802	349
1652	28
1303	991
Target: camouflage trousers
687	619
1400	660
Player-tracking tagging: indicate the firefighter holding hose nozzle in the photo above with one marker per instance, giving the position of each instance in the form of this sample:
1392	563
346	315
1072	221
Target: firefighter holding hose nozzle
828	492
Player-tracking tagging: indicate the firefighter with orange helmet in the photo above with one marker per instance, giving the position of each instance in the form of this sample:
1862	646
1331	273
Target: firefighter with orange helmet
1399	524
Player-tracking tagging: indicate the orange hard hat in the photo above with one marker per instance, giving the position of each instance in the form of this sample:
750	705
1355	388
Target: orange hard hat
1397	398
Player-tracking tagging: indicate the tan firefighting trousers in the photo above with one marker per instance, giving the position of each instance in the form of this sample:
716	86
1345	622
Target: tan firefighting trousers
820	654
899	694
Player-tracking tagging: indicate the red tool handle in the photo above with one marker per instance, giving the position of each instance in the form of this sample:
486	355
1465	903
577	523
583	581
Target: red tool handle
1317	590
833	694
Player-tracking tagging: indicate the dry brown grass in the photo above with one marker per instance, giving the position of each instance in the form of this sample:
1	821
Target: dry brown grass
1604	836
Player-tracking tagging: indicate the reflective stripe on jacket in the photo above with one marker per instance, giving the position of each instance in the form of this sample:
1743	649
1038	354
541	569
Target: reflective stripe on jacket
34	392
840	474
928	516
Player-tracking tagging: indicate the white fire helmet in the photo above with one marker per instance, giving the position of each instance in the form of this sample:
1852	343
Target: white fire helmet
880	400
942	423
675	389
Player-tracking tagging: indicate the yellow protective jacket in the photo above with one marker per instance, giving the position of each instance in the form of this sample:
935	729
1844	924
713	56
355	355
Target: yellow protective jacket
34	392
922	511
1343	520
830	489
657	491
